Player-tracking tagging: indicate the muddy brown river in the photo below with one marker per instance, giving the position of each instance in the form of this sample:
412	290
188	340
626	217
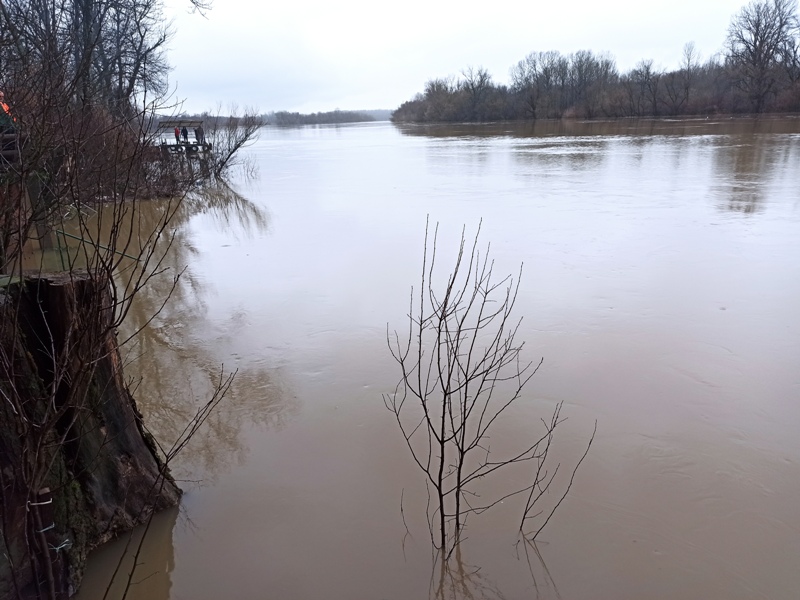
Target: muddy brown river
661	286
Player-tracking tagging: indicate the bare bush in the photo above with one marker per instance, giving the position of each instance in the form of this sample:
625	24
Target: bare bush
462	370
228	134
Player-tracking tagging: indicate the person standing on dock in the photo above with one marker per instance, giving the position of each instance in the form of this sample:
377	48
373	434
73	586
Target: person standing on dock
8	141
177	135
199	134
6	120
185	133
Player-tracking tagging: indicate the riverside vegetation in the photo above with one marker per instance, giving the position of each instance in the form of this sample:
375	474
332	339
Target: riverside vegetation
757	71
85	83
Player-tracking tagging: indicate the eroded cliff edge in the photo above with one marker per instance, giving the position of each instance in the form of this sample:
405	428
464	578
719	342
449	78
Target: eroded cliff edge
77	466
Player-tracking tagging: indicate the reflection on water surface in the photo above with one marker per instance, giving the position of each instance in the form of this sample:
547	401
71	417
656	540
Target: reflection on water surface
661	286
172	358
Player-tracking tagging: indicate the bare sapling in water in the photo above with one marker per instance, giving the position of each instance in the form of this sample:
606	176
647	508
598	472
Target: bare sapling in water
461	372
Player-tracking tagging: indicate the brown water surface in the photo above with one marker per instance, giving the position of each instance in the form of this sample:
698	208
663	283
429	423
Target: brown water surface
661	285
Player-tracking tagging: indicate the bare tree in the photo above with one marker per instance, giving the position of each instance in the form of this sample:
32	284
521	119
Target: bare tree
109	50
550	83
228	134
678	84
476	83
462	370
440	99
758	40
529	79
690	65
599	76
790	58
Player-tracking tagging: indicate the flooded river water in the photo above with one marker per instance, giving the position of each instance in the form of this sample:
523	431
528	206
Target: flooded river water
661	286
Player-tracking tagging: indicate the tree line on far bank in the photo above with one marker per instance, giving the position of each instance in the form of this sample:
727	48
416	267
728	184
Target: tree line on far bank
285	118
290	119
757	71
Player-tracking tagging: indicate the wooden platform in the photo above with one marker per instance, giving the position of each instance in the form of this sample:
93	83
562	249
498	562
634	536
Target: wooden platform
165	132
185	148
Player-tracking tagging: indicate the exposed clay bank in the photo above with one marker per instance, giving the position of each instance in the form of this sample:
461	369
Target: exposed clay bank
661	286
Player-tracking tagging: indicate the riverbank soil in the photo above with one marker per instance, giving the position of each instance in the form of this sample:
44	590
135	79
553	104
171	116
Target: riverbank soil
76	464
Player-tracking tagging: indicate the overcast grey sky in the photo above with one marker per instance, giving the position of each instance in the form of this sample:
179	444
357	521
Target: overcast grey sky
317	55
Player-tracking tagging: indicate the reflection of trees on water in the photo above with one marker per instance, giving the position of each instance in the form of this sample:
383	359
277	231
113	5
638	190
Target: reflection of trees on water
172	365
600	127
152	579
455	579
743	167
543	583
573	154
748	153
228	208
471	157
